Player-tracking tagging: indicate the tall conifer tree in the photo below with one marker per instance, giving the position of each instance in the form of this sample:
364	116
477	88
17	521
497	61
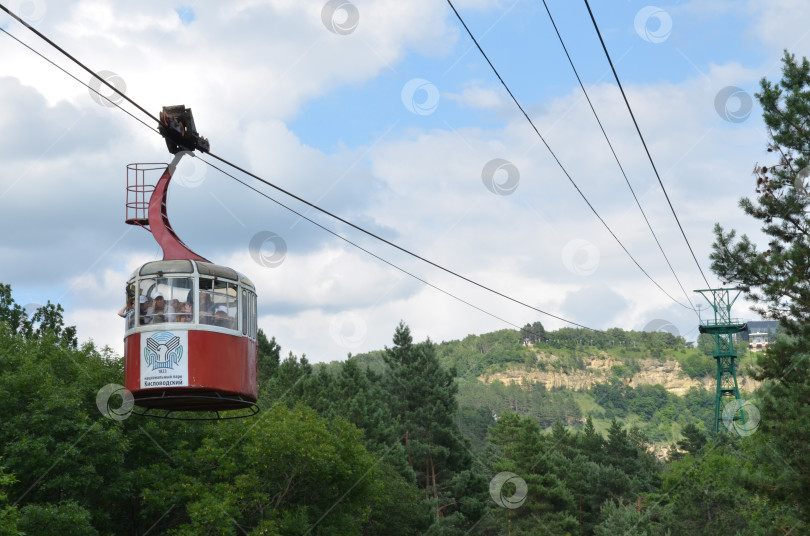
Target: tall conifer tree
424	408
776	278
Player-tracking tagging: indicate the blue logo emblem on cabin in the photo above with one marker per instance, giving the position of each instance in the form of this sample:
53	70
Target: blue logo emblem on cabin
163	350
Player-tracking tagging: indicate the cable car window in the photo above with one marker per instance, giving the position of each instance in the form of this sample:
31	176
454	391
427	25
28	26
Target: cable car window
206	268
129	309
253	317
206	301
166	299
249	307
251	314
218	303
245	309
175	266
254	322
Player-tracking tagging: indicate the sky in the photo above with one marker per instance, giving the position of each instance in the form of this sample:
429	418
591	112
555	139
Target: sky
386	114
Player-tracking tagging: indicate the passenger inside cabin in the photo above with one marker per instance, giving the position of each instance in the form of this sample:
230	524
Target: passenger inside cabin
128	312
222	319
159	309
206	308
188	308
185	313
145	304
173	307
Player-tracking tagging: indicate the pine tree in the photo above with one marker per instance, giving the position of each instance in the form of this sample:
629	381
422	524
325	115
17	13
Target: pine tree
777	279
591	441
268	357
424	407
693	439
534	458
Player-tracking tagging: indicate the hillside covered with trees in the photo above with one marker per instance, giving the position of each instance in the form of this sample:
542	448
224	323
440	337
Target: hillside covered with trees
661	415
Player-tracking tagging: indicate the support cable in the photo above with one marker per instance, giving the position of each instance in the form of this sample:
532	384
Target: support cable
556	159
644	143
392	244
88	86
615	156
77	62
361	248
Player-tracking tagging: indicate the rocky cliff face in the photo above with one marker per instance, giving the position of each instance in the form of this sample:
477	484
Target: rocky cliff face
598	370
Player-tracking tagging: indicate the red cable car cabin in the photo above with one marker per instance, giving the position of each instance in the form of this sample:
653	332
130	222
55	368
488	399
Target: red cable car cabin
190	341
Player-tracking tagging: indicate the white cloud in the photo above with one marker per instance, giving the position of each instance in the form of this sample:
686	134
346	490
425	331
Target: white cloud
235	61
779	26
249	69
333	279
479	97
102	326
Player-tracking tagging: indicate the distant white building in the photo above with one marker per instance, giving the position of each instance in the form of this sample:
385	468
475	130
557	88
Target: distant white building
758	341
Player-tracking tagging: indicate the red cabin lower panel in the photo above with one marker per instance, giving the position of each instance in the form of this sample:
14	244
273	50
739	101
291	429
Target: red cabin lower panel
190	370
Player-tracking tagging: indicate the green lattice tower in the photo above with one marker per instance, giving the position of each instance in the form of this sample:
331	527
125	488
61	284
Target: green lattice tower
723	327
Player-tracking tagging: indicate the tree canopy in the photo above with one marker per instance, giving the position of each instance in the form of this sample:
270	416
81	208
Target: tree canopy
776	278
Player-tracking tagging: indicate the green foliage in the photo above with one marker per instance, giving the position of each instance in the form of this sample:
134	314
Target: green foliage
398	507
649	343
70	470
285	475
53	437
657	411
392	442
407	415
646	400
474	423
66	517
706	344
477	353
527	453
566	351
569	476
532	333
693	439
424	407
46	324
647	518
699	365
775	278
268	357
9	516
660	415
705	492
546	407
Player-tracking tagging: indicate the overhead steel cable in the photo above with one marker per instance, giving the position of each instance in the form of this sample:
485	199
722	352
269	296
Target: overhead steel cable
334	216
556	159
615	156
358	246
77	62
393	245
88	86
643	142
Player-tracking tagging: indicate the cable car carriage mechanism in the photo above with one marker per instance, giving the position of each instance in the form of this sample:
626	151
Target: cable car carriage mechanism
190	343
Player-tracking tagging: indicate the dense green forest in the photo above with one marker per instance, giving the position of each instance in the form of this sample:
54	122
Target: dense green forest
347	449
407	441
